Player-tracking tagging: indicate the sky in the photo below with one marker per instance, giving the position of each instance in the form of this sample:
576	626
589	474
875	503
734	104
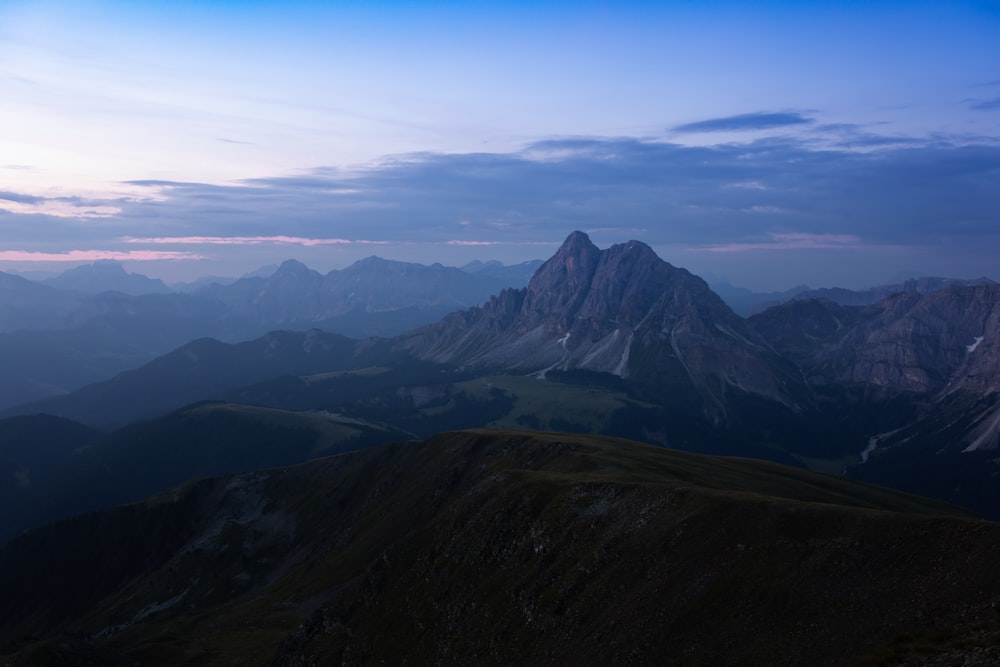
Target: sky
768	144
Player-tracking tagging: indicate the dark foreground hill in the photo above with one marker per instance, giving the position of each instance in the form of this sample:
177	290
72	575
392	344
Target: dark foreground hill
488	547
52	468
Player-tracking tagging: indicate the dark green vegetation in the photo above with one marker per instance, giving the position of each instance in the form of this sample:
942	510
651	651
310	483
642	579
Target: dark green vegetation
53	468
488	547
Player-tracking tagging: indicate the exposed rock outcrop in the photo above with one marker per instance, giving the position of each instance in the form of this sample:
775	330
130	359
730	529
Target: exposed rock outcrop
622	310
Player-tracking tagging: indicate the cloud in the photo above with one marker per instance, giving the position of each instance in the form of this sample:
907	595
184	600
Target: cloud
239	240
984	105
19	198
732	200
700	195
791	241
62	207
745	122
94	255
704	195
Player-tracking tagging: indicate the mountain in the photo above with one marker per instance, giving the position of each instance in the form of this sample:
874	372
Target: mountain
107	276
36	459
109	333
847	297
89	338
53	468
747	302
25	304
500	547
515	275
373	296
202	369
623	311
927	365
906	342
619	342
199	283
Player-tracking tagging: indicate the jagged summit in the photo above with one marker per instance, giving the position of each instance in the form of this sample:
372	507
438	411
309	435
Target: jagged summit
107	275
561	283
622	310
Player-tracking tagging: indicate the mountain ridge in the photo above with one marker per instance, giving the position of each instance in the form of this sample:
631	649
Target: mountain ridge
536	544
605	310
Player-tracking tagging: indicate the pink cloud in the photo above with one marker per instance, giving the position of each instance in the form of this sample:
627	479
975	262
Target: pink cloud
244	240
790	241
516	243
94	255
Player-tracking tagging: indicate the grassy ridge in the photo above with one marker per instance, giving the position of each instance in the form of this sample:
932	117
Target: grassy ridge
498	547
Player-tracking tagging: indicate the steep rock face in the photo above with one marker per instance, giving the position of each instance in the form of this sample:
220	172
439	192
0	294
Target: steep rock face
622	310
907	342
940	352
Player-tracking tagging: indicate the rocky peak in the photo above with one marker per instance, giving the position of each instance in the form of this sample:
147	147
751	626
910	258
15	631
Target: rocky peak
561	284
623	311
907	342
107	275
292	268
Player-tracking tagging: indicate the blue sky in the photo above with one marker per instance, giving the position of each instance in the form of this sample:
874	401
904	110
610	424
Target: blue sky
769	143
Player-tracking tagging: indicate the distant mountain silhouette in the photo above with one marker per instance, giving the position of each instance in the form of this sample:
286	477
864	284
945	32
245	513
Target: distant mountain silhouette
107	276
848	297
26	304
88	338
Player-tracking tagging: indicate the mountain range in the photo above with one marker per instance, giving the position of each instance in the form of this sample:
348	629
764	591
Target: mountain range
56	340
619	342
810	567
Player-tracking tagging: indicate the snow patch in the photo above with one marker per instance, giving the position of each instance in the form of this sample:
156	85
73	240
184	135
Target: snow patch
974	345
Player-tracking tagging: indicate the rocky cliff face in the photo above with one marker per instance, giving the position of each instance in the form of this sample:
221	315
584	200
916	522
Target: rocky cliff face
622	310
941	349
907	342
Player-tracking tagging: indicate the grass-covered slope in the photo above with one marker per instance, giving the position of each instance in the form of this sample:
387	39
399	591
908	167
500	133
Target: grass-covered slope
76	470
500	547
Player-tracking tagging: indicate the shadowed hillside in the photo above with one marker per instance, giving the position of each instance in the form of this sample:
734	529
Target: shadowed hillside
493	547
